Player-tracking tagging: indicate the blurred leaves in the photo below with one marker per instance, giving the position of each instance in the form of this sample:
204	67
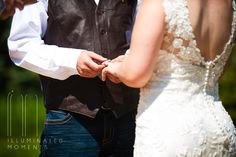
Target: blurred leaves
228	82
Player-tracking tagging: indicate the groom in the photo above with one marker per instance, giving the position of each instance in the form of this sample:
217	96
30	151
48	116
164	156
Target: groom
66	41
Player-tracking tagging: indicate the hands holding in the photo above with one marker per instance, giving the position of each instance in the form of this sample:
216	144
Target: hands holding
90	65
110	71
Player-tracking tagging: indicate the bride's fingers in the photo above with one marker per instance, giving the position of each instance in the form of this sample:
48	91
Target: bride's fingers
104	74
113	78
106	63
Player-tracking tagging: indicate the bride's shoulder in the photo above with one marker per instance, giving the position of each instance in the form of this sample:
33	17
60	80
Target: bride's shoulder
175	11
173	6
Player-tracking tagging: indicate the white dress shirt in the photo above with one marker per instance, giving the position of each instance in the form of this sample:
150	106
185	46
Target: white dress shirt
28	50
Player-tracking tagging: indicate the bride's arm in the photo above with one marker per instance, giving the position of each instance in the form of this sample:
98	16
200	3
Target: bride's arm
146	40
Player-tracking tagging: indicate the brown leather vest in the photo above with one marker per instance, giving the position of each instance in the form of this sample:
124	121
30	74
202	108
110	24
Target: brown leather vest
103	29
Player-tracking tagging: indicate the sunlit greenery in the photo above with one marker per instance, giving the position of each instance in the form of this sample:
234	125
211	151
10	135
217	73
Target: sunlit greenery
26	120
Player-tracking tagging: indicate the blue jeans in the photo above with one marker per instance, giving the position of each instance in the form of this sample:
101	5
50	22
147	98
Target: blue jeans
67	134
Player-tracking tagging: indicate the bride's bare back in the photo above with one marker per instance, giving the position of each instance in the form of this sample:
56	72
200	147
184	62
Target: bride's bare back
180	103
211	21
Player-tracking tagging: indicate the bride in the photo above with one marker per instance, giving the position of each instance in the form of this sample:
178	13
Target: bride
178	52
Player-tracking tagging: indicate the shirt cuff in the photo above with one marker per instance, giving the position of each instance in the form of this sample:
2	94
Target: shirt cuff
70	60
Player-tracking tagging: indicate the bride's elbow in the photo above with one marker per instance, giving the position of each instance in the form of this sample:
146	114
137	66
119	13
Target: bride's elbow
135	82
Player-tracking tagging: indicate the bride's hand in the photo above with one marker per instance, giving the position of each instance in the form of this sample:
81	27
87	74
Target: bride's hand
110	72
119	59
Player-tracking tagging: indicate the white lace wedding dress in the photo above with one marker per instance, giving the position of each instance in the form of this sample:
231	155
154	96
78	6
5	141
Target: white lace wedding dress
179	113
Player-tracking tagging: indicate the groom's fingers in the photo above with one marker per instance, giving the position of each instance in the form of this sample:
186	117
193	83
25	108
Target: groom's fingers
96	57
94	66
88	73
86	65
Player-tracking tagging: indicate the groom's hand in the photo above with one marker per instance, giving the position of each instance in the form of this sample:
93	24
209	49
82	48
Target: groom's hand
88	64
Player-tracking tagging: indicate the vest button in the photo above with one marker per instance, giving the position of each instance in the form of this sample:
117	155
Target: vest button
102	32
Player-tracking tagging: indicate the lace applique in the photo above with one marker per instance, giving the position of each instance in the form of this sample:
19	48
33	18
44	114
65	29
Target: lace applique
179	37
180	40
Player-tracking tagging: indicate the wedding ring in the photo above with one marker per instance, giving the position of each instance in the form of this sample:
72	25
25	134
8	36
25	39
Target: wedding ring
106	63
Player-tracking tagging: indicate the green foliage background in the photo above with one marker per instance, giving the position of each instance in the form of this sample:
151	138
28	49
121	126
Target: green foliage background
23	82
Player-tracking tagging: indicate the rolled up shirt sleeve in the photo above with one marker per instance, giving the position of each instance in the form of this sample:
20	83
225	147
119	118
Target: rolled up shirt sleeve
28	50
